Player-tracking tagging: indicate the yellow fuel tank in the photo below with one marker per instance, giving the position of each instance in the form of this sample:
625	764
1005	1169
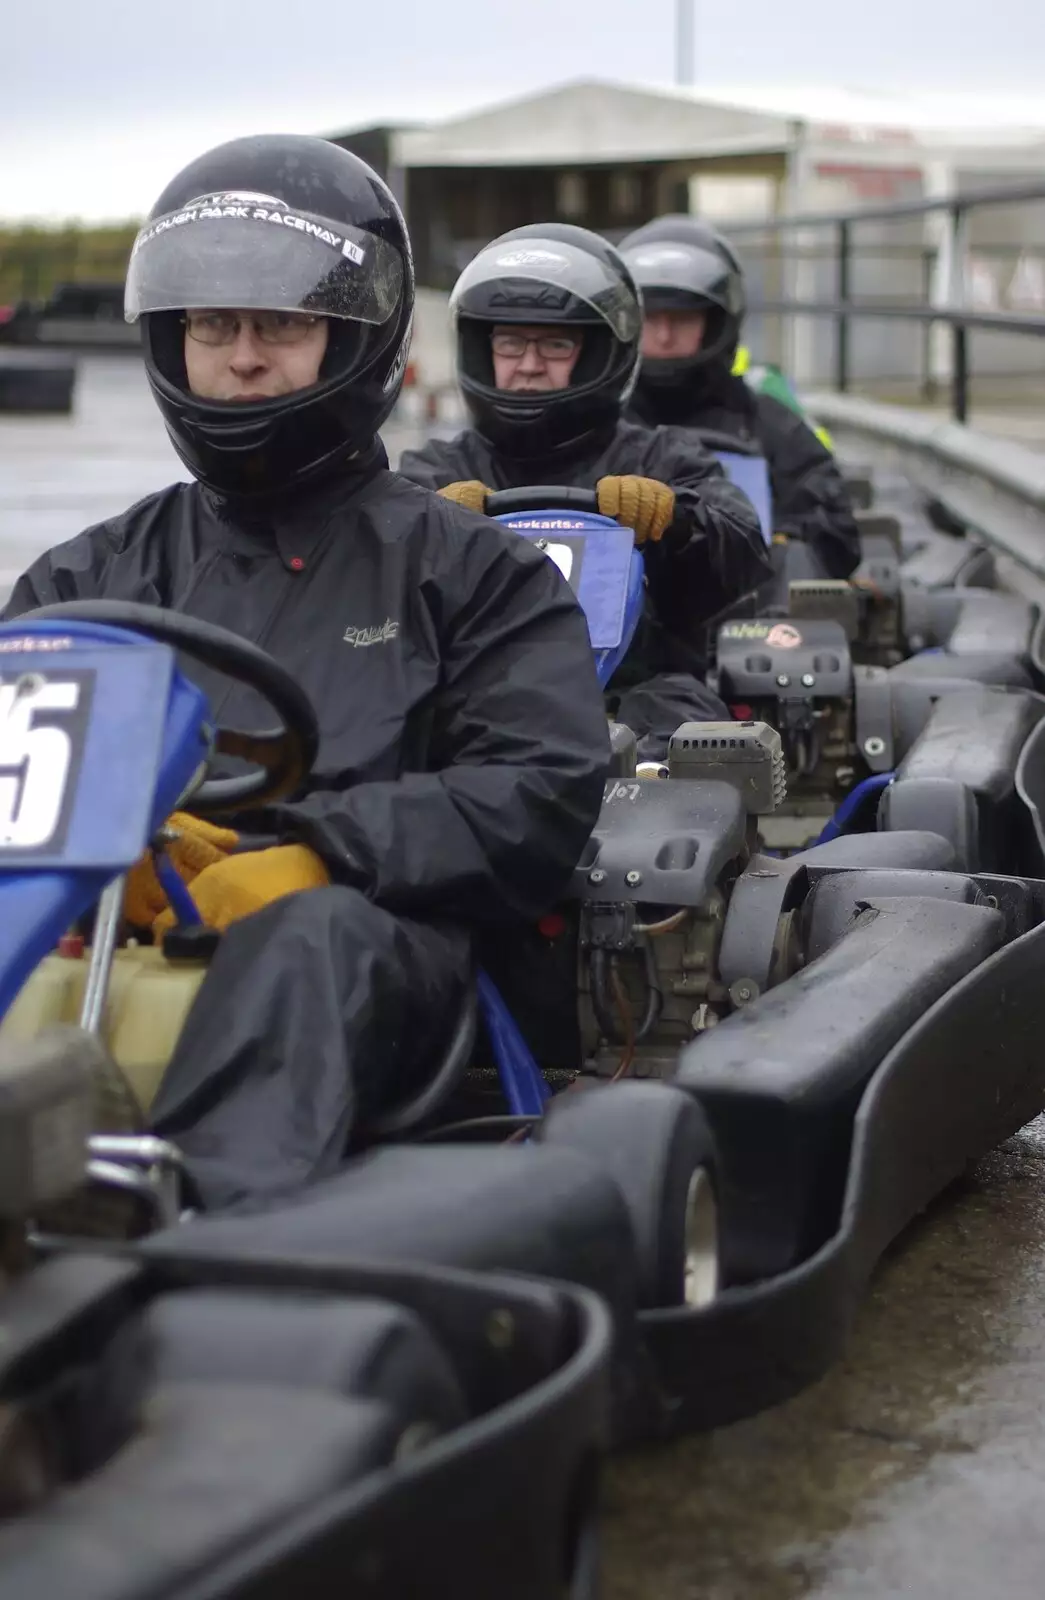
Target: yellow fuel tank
148	999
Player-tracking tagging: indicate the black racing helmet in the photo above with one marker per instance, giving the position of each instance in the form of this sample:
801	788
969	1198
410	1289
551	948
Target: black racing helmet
682	264
276	223
680	227
565	277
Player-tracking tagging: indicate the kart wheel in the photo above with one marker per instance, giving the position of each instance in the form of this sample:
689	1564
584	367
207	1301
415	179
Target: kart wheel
654	1141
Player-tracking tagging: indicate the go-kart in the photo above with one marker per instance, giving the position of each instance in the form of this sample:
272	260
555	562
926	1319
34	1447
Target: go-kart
859	678
830	1015
230	1426
835	1015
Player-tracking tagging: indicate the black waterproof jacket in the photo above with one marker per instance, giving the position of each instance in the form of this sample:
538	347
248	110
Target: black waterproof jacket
810	499
464	741
711	556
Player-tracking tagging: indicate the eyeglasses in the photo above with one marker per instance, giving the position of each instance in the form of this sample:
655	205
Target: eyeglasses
271	327
550	347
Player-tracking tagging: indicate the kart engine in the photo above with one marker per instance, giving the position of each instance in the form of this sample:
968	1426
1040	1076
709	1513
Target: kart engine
798	676
843	716
654	887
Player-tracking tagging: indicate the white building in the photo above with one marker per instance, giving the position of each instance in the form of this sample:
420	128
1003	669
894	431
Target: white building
610	156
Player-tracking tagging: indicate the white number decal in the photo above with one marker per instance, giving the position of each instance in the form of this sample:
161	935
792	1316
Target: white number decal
562	555
34	762
624	791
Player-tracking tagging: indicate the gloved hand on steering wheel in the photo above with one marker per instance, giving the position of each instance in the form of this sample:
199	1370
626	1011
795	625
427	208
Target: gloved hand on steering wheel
192	846
225	886
237	885
470	493
644	504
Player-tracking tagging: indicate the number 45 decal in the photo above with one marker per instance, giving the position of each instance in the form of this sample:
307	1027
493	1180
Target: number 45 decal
35	761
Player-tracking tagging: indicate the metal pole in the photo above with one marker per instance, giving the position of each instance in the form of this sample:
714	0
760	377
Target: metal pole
928	383
960	382
106	931
959	221
842	341
685	30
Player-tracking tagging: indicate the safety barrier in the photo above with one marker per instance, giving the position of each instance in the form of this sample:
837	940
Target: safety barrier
950	299
992	486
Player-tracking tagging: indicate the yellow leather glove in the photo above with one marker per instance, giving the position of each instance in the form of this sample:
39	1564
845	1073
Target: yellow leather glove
640	503
198	845
237	885
471	494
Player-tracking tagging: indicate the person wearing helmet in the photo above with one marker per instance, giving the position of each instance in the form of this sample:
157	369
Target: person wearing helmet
453	788
548	323
693	291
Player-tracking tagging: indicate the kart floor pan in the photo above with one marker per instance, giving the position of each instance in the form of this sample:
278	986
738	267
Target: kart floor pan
969	1075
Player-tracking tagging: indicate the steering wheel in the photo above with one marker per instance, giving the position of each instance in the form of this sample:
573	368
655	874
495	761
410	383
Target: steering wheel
541	497
715	439
285	753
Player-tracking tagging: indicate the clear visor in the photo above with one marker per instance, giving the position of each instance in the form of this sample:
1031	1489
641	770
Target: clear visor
682	267
232	252
500	277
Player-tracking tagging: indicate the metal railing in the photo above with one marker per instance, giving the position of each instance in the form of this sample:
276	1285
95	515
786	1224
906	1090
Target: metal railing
947	309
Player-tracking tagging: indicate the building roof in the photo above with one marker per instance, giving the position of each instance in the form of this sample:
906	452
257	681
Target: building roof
590	121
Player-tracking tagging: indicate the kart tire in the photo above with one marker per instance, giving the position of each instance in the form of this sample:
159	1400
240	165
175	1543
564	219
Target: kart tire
654	1141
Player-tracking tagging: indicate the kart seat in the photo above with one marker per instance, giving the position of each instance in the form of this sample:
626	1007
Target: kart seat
413	1114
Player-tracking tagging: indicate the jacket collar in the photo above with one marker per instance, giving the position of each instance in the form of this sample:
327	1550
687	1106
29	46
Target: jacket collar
297	521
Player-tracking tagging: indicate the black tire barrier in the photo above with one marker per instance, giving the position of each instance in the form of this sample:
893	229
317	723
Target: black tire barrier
36	385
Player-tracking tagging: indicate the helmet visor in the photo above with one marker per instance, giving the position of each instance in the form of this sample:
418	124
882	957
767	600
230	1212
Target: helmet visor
682	269
248	252
535	281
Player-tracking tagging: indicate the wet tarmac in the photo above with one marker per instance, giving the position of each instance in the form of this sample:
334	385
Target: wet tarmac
59	475
917	1467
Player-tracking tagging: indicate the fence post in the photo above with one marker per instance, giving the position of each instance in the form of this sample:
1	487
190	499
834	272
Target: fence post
928	384
959	333
960	377
842	329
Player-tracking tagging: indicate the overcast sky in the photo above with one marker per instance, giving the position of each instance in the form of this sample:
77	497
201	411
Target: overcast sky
102	100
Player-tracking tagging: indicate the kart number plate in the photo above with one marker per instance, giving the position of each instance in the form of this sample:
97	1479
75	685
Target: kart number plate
595	559
44	717
82	729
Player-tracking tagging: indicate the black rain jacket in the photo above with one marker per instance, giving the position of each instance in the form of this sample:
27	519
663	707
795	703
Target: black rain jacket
457	777
810	499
